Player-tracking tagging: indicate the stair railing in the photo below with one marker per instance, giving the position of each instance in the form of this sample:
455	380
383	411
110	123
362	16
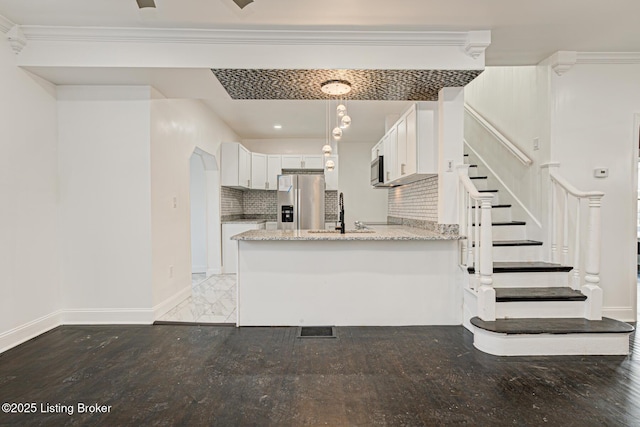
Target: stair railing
475	224
562	190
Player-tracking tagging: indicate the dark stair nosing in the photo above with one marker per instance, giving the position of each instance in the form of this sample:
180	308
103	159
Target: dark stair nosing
538	294
487	191
535	326
478	177
526	267
465	155
473	166
495	206
503	223
514	243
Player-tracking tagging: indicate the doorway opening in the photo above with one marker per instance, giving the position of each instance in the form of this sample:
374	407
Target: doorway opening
204	214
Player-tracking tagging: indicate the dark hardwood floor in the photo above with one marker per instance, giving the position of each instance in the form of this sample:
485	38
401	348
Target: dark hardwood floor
226	376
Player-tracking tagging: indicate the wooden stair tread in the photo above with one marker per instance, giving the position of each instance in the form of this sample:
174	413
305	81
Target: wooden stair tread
538	294
487	191
495	206
505	223
526	267
553	326
514	243
477	177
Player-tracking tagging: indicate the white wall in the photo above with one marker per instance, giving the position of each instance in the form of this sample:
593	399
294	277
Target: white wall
198	203
104	172
361	201
29	245
515	100
592	127
177	128
285	146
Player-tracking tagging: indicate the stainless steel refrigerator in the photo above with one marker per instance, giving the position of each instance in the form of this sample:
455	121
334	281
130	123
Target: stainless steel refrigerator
301	202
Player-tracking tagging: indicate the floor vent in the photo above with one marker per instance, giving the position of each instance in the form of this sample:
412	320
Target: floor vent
317	332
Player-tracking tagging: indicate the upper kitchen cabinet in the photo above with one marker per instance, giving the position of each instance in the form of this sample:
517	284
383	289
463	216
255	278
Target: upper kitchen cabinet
410	147
258	171
265	170
299	161
235	165
274	168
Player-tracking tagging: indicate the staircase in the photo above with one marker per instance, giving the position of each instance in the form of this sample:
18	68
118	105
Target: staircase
516	302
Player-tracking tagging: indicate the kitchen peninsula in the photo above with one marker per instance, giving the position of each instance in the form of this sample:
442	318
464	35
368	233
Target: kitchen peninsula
388	275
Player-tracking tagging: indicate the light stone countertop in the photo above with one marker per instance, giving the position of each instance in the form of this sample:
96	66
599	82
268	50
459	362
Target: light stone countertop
376	232
245	221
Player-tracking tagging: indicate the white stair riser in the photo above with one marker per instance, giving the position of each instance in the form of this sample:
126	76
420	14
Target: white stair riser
551	344
517	253
497	214
508	232
474	172
480	184
527	280
538	309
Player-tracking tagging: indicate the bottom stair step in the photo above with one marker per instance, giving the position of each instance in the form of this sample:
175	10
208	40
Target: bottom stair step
553	326
538	294
551	336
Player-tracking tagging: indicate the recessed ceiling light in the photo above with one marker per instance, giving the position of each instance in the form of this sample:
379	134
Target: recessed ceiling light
336	87
277	126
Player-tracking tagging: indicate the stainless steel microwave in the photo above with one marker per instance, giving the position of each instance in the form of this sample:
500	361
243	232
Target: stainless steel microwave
377	172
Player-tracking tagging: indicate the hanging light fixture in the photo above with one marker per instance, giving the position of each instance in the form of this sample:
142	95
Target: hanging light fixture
326	149
330	165
337	88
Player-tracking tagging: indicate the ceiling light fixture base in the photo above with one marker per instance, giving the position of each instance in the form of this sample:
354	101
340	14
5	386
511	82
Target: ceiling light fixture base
336	87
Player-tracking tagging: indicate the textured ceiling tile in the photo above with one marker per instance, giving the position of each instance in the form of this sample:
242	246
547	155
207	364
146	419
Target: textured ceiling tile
383	85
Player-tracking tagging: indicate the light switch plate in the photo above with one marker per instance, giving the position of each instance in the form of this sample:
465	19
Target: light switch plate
601	172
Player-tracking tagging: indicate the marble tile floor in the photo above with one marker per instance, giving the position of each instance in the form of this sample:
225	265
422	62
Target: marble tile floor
213	300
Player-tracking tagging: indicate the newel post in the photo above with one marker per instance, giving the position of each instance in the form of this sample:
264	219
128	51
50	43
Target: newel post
486	292
591	288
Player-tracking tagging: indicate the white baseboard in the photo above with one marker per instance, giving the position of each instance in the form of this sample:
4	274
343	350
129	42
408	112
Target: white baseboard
166	305
623	314
29	330
108	316
212	271
195	269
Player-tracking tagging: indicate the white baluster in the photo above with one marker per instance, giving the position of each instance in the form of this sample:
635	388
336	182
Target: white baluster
576	255
565	230
554	225
476	252
470	250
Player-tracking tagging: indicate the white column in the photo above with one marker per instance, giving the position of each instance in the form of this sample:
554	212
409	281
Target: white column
450	151
486	292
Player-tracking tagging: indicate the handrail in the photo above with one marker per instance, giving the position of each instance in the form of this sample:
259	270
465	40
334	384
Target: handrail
573	190
519	154
468	185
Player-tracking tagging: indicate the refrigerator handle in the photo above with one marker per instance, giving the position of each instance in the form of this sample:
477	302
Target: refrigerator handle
297	195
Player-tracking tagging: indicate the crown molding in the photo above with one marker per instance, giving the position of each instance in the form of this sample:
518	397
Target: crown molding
473	40
561	61
477	42
608	58
16	39
6	24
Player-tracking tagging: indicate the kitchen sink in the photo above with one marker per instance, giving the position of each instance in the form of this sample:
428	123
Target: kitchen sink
338	231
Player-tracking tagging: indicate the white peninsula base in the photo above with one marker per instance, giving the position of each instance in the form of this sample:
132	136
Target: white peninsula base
348	283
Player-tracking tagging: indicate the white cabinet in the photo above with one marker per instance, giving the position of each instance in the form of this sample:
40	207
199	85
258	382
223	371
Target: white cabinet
292	161
274	168
258	171
299	161
410	146
230	247
376	151
313	161
331	177
390	156
235	165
